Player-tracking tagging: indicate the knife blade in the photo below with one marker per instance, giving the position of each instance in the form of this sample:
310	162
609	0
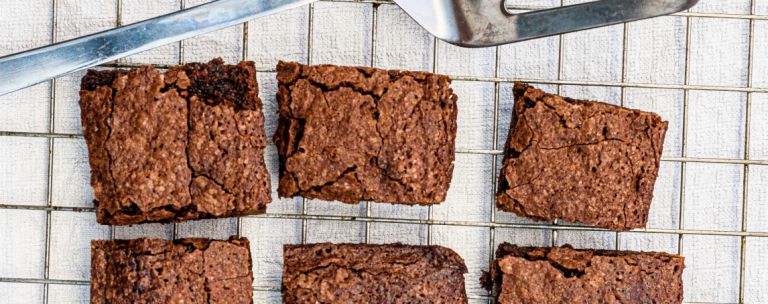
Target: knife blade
21	70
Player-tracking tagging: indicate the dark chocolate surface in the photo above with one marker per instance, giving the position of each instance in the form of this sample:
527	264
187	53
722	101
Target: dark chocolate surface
567	275
163	271
353	133
358	273
184	144
580	161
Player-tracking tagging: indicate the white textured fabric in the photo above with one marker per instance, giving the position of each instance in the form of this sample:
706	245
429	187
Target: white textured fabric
653	52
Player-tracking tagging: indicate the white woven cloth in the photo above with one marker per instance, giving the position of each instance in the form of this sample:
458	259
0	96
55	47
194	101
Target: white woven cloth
43	157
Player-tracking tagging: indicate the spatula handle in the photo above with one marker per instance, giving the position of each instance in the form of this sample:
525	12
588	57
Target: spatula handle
585	16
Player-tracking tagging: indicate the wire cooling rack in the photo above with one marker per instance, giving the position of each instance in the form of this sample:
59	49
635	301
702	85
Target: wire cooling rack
705	70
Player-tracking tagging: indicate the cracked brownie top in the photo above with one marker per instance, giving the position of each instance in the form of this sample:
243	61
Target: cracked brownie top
184	144
580	161
360	273
353	133
567	275
179	271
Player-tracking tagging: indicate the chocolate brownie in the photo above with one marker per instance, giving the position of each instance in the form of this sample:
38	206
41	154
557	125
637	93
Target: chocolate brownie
358	273
354	133
567	275
163	271
184	144
580	161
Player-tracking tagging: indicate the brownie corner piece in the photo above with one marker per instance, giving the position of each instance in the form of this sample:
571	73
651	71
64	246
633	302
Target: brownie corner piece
183	144
568	275
165	271
579	161
353	133
362	273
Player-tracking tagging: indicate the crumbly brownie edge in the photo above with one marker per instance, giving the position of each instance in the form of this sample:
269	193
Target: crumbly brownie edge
98	91
492	280
303	260
448	257
522	102
104	253
374	83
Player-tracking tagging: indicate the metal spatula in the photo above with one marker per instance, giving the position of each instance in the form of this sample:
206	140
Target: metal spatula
470	23
482	23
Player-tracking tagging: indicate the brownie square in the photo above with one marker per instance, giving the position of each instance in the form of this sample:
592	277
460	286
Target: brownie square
580	161
567	275
354	133
360	273
164	271
167	147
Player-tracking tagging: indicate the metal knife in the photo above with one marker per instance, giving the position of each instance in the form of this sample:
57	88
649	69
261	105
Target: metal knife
24	69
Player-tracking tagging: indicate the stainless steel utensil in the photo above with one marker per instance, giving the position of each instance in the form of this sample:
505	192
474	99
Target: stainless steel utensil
478	23
27	68
469	23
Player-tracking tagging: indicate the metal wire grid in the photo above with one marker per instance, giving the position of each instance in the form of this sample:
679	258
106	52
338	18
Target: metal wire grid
304	216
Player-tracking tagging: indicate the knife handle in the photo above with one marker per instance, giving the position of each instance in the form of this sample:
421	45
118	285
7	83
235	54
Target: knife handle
27	68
